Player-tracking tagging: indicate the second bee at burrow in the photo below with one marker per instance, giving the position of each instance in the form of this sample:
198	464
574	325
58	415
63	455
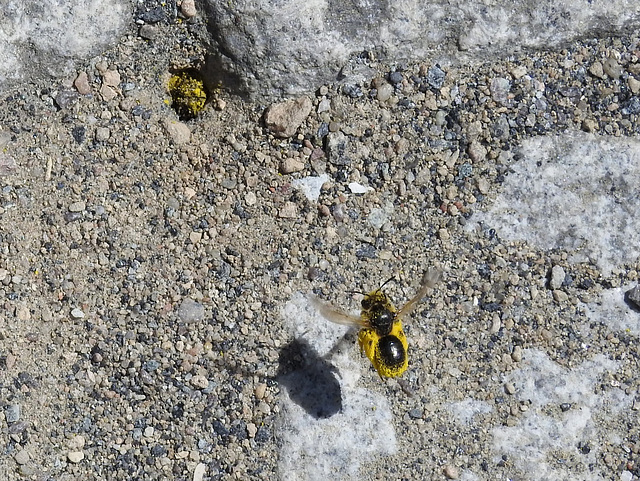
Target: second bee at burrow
380	335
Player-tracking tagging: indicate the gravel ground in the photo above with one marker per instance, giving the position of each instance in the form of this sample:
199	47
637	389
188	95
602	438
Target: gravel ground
144	269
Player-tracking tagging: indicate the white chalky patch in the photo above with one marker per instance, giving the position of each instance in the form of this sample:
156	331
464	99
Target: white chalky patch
612	310
575	191
545	435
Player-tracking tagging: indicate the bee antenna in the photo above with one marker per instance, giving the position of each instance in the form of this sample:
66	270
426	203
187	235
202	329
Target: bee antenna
356	292
386	282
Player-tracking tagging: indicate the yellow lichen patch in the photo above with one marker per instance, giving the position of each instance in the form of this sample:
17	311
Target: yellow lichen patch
188	93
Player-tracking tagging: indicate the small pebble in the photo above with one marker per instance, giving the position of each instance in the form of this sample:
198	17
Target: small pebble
220	104
22	456
597	70
189	193
102	67
385	91
77	313
557	277
560	296
612	68
178	132
264	408
395	78
81	83
12	413
509	388
626	476
440	118
284	118
289	166
435	77
451	472
77	206
518	72
633	295
288	211
589	125
500	89
65	98
250	198
516	355
357	188
76	443
483	185
190	311
199	382
107	92
260	390
75	456
634	85
199	472
496	323
148	32
23	313
324	106
188	8
111	78
102	134
416	413
477	152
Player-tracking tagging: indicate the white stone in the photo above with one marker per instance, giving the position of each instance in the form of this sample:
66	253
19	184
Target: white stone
310	186
75	456
250	198
557	277
199	471
357	188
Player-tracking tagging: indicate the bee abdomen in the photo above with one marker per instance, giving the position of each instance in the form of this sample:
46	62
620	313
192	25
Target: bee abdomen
392	353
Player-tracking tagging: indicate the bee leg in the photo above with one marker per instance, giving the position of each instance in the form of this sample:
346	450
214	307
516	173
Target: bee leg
361	344
404	385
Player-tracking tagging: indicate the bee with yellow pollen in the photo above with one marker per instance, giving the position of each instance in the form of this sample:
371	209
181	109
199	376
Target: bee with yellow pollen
380	335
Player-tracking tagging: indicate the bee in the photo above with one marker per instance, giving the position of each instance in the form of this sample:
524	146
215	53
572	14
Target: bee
381	337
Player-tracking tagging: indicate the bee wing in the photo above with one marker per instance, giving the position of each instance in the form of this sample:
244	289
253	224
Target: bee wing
336	315
429	280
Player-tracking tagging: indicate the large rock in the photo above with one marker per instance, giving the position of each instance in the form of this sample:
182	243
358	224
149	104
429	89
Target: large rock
272	49
40	38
